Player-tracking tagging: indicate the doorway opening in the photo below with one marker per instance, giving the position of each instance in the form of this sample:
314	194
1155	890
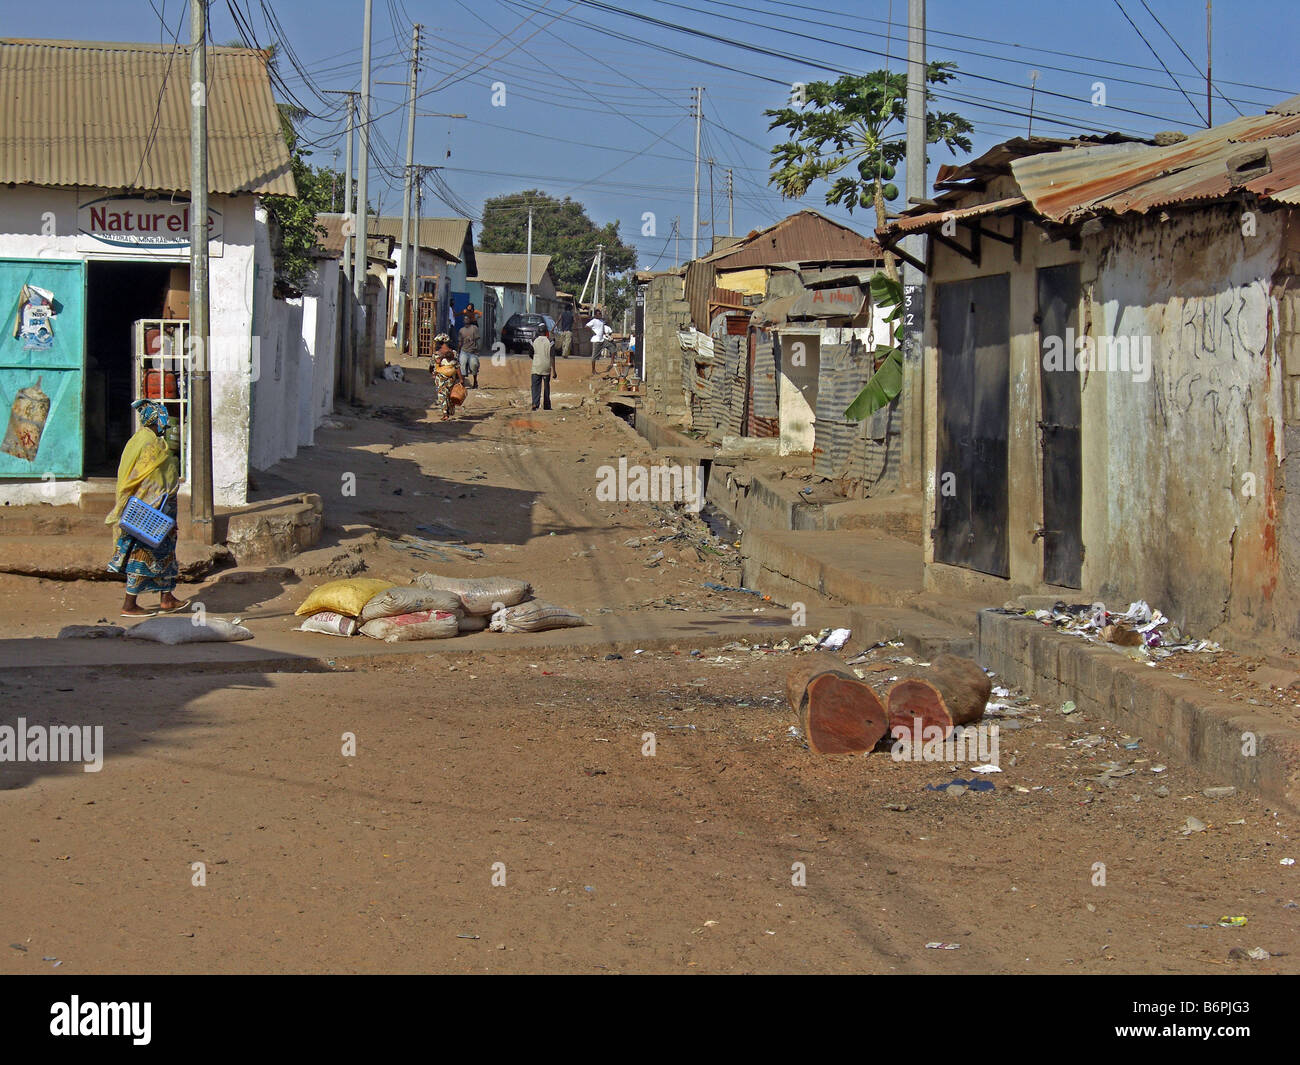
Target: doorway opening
117	294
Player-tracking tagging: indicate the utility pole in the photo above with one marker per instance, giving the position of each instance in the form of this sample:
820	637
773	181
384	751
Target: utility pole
411	268
598	294
913	410
528	267
359	374
346	310
731	224
403	292
201	503
1209	62
1033	86
713	229
695	226
677	236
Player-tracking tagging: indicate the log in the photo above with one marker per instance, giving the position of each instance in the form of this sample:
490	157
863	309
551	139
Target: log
839	713
953	691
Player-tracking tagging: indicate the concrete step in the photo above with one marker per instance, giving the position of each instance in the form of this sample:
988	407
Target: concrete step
832	567
922	636
85	558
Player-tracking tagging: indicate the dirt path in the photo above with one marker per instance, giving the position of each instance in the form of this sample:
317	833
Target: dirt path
729	849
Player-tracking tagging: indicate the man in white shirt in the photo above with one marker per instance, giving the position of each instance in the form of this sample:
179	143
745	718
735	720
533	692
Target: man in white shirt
600	333
543	370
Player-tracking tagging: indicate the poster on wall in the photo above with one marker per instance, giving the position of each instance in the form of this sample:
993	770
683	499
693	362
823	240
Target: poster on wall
42	357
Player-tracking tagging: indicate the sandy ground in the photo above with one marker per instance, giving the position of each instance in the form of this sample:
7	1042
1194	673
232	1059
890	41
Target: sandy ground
508	813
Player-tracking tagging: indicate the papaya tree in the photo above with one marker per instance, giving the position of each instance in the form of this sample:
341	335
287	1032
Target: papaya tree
852	133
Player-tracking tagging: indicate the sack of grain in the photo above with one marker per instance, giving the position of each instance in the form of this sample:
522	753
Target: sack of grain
473	623
422	625
535	616
342	597
183	629
329	623
482	595
397	600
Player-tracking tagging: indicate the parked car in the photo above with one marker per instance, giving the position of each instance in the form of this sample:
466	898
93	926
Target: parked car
521	330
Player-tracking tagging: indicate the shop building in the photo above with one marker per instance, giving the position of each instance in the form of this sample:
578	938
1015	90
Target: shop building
94	254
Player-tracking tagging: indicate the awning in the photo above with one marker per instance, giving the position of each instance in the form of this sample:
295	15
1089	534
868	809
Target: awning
919	223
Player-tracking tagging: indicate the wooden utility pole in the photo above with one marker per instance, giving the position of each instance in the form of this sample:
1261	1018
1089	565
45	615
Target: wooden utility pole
200	335
1209	63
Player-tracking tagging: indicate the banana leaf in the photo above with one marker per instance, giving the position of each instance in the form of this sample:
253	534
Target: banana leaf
885	384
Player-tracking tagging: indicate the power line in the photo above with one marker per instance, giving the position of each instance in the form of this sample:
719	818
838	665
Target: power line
1153	51
1199	73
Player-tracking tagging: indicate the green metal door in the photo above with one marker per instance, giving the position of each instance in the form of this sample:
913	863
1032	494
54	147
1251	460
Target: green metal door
42	368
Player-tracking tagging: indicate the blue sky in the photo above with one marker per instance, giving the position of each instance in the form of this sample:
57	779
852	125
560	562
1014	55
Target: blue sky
597	102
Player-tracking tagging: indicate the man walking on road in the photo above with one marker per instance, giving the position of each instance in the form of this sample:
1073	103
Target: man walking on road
564	333
543	371
469	361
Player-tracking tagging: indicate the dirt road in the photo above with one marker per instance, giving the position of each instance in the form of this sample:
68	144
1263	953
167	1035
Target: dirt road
563	812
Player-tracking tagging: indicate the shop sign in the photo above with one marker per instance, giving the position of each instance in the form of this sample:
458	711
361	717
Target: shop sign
135	224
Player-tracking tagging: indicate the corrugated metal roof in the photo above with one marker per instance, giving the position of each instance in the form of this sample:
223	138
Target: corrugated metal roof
803	237
913	223
502	268
1210	165
449	236
331	240
117	116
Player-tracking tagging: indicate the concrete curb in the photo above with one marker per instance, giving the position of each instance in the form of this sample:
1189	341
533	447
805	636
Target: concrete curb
272	652
1178	716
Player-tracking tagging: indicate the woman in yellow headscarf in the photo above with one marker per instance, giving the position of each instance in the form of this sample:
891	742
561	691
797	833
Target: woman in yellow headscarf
150	471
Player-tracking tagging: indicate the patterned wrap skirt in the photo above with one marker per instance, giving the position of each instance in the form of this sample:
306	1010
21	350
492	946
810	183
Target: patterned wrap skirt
148	569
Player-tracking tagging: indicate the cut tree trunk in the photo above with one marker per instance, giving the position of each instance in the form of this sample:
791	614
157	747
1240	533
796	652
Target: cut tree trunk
839	713
953	691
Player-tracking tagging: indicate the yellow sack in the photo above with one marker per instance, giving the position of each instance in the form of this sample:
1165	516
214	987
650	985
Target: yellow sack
343	597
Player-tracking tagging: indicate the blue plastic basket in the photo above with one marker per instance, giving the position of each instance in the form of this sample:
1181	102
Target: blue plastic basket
145	523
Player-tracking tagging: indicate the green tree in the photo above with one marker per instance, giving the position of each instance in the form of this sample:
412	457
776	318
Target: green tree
294	232
562	230
853	131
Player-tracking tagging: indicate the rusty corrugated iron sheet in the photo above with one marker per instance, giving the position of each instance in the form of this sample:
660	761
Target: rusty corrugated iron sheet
117	116
763	408
837	447
803	237
696	289
1076	183
914	223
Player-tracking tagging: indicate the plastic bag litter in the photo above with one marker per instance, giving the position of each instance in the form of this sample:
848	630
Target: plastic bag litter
473	622
329	623
482	595
535	616
836	639
182	629
397	600
422	625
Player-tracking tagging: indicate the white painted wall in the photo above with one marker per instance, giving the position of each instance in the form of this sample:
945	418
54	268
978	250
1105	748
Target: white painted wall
41	223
